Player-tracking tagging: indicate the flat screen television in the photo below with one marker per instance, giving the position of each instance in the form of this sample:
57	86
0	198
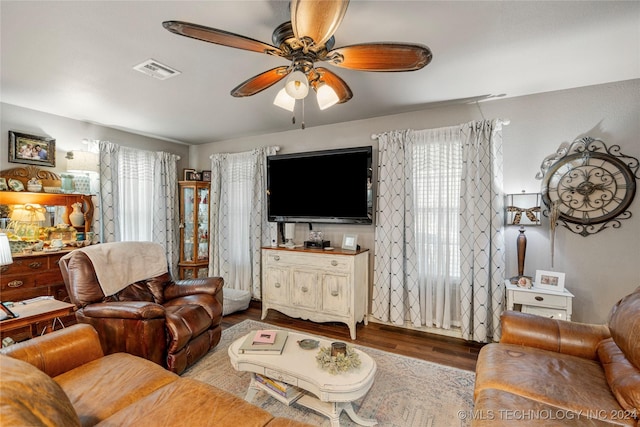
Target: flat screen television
330	186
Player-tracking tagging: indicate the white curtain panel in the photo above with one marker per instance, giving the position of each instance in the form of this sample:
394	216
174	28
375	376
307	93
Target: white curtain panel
482	230
138	197
239	226
439	245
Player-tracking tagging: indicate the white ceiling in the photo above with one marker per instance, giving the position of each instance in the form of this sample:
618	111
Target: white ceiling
75	59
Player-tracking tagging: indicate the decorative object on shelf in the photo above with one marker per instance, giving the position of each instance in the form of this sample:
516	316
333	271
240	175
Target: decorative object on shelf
186	173
587	186
341	362
524	210
3	184
550	280
76	217
34	185
206	176
32	149
66	180
16	185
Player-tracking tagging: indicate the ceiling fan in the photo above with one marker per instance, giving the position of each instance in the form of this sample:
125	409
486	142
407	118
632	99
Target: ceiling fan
305	41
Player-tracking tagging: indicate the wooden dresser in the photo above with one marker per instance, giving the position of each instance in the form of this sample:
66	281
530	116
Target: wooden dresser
31	276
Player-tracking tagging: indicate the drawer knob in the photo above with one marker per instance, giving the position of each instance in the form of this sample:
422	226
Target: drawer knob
334	263
277	285
334	293
35	265
305	289
539	298
15	283
4	268
276	258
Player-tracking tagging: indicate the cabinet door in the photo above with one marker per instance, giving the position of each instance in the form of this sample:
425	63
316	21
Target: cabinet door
335	293
304	292
276	286
187	231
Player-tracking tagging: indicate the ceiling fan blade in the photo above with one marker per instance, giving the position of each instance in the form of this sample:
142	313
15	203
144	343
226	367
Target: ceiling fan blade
337	84
221	37
260	82
381	57
317	20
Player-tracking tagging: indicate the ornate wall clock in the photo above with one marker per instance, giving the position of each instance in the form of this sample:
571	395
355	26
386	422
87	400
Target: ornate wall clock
587	186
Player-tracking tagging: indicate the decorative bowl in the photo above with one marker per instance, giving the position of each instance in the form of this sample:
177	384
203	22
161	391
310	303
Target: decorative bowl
308	344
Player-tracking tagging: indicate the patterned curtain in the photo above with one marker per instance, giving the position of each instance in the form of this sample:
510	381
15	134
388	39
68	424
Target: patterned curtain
239	226
109	183
482	230
165	206
395	267
439	244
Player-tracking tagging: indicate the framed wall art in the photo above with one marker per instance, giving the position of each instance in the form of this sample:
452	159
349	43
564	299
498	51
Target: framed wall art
549	280
32	149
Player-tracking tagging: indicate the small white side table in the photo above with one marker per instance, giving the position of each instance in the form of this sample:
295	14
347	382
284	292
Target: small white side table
556	305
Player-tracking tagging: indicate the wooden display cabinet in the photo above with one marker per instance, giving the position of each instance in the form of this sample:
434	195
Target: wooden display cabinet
194	229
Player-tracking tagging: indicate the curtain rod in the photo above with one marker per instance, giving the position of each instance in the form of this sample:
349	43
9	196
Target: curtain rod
505	122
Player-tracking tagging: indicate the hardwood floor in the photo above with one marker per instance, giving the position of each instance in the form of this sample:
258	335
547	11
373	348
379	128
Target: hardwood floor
453	352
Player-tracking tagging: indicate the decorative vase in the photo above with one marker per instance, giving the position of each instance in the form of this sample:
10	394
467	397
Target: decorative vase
76	217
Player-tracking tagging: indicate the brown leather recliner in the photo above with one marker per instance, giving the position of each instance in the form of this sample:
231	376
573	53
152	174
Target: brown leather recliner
172	323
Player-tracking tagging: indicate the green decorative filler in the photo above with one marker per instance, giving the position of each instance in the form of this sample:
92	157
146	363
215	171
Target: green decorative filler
341	362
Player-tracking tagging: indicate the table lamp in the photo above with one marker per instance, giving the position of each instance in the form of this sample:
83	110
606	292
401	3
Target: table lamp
5	250
26	220
522	210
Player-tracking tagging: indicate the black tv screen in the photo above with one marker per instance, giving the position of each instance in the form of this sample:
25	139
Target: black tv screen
331	186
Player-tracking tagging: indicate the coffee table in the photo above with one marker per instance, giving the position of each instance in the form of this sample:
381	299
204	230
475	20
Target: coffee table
319	390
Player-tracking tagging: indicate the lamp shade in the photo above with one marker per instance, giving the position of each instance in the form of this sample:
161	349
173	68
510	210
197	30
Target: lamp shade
326	96
5	250
82	161
28	213
283	100
522	209
297	85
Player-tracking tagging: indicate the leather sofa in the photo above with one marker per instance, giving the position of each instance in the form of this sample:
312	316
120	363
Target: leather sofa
552	372
64	379
172	323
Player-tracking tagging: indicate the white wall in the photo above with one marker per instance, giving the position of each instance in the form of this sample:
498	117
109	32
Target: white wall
69	134
599	268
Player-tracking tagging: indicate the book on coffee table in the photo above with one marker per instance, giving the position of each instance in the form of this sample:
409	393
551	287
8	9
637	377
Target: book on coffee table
251	347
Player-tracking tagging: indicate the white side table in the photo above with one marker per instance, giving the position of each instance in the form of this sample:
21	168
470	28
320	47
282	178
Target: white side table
556	305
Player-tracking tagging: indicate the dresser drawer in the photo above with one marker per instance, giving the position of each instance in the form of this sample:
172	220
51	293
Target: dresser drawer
15	282
541	300
333	263
27	265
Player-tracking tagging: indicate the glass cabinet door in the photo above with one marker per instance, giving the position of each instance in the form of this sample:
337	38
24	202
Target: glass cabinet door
194	229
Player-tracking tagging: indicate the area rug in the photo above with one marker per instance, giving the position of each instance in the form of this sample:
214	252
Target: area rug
407	392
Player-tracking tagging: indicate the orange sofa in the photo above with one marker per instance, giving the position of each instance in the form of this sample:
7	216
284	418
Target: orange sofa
64	379
552	372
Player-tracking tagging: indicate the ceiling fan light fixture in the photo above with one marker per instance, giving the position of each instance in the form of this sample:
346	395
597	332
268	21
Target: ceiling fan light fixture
283	100
297	85
326	96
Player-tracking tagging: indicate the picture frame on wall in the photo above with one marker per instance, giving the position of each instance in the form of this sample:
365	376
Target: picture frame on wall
32	149
350	242
186	174
549	280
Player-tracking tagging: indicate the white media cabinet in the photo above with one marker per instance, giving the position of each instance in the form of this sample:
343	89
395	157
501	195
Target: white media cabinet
316	285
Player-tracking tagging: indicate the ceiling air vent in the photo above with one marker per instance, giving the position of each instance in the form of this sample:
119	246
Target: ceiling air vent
155	69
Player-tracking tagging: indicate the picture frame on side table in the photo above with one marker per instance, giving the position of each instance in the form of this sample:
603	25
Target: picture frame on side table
32	149
549	280
350	242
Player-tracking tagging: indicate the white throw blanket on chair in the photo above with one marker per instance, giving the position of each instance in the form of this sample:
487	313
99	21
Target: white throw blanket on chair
119	264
